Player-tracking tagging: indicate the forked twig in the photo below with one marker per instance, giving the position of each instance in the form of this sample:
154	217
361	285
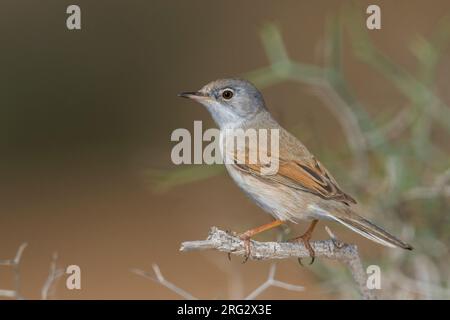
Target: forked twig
332	249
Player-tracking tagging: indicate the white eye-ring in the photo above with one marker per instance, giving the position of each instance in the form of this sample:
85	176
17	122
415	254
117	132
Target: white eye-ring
227	94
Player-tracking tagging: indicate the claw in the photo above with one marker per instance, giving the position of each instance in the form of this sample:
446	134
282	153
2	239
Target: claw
230	233
246	236
313	258
301	263
246	240
312	254
305	239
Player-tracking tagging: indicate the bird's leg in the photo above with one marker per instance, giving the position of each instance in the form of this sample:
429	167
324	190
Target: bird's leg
305	239
247	235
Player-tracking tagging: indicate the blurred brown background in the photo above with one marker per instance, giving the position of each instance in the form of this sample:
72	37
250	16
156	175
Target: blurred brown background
84	114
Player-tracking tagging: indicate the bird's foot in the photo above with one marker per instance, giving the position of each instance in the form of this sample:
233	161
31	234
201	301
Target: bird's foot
305	240
244	237
247	245
230	233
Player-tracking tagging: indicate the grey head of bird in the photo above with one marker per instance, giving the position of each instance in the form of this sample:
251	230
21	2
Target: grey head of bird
229	101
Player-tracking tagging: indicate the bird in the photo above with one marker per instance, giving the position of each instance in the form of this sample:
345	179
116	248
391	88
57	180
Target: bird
301	189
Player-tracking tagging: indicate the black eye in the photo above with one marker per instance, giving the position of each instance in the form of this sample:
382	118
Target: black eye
227	94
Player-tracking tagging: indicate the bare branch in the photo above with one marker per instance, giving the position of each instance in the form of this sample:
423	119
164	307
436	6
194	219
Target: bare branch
19	253
54	274
8	293
15	264
331	249
159	278
271	282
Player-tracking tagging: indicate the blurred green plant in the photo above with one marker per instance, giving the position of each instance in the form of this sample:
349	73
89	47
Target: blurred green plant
164	180
400	168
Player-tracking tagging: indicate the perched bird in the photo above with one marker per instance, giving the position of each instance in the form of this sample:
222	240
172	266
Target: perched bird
301	189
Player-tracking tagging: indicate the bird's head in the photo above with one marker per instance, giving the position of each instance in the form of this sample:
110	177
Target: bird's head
230	101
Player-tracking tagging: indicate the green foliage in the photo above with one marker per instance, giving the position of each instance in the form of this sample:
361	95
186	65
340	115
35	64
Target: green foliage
163	180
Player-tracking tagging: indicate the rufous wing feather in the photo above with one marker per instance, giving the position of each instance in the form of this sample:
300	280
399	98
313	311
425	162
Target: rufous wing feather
305	175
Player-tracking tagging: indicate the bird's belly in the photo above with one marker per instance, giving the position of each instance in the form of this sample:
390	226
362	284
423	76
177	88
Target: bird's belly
280	201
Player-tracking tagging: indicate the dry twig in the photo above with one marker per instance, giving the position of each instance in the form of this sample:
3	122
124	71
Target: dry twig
54	274
159	278
272	282
15	265
331	249
49	285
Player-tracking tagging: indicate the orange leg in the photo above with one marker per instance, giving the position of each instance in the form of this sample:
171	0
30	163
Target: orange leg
305	239
252	232
247	235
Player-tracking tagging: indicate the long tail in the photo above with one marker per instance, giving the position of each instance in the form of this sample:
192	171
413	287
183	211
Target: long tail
371	231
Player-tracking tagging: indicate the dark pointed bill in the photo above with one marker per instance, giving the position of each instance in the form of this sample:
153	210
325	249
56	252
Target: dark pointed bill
192	95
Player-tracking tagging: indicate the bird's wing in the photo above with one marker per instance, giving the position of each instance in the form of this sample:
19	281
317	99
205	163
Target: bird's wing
305	174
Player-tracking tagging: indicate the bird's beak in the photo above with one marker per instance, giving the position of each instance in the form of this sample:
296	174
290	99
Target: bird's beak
193	95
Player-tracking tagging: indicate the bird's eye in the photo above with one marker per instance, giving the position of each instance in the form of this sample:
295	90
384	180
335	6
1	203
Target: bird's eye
227	94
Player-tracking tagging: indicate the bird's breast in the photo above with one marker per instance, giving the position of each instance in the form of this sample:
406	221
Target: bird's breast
280	201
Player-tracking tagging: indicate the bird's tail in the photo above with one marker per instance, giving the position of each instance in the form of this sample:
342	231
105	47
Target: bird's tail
371	231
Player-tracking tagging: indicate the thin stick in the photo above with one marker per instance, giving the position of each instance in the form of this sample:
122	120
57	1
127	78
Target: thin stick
331	249
159	278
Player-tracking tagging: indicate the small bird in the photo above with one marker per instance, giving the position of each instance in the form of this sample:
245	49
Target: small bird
301	189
